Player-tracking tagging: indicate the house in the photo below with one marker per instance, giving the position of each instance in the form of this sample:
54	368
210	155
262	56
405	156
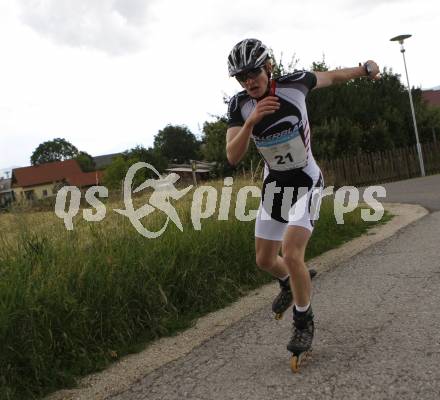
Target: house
44	180
432	97
6	192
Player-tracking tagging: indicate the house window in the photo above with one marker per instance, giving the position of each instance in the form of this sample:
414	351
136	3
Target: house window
44	193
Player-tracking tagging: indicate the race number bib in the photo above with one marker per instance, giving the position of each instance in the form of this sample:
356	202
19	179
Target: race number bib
284	151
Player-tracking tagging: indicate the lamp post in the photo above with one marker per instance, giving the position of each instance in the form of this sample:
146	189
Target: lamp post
401	39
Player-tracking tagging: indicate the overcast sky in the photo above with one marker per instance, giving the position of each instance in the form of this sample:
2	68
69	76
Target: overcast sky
107	75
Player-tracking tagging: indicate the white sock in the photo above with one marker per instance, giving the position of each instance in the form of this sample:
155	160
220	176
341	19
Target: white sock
302	309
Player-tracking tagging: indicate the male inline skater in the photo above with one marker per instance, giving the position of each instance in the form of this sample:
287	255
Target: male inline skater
273	113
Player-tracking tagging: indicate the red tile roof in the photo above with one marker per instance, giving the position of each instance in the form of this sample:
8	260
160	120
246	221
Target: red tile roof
57	171
432	97
85	179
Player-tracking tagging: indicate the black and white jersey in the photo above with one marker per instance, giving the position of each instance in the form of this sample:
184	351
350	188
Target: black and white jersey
282	138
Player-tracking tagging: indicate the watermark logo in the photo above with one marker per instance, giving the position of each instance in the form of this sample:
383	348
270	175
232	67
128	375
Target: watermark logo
164	190
294	204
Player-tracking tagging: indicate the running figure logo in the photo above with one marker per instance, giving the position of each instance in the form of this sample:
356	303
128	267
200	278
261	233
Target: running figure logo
164	190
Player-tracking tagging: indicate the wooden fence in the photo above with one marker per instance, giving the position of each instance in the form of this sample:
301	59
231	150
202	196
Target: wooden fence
380	167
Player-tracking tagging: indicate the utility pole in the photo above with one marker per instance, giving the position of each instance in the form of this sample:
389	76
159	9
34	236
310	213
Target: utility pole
401	39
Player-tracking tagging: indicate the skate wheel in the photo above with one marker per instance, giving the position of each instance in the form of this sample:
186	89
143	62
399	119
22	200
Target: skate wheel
278	316
294	364
297	360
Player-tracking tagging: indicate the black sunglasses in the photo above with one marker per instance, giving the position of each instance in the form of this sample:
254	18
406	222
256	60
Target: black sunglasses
250	74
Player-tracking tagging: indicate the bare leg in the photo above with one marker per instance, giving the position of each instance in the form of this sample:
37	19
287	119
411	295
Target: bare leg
268	258
293	247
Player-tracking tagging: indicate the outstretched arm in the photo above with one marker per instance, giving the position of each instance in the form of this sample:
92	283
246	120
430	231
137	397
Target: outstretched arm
328	78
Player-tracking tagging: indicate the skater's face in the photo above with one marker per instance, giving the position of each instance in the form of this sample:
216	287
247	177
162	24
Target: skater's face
255	81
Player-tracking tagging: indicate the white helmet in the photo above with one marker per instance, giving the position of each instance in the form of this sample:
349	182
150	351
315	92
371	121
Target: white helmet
246	55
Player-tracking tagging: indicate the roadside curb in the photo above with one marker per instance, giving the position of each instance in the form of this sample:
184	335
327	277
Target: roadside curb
122	374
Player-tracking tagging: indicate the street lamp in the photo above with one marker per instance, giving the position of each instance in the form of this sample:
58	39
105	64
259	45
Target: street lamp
400	39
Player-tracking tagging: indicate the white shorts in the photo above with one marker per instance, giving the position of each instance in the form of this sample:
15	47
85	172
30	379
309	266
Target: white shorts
306	188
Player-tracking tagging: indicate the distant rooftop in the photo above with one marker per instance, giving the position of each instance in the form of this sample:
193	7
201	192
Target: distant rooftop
58	171
105	160
432	97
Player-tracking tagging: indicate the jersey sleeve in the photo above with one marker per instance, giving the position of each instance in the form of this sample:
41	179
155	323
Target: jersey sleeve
305	78
234	113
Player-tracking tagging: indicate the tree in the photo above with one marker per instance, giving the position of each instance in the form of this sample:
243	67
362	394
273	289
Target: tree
85	161
176	143
376	112
214	145
115	173
53	150
336	136
429	123
150	155
319	65
278	68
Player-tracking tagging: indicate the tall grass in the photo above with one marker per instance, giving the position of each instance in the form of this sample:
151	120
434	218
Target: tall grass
71	301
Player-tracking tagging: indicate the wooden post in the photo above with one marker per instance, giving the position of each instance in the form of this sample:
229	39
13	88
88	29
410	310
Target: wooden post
193	170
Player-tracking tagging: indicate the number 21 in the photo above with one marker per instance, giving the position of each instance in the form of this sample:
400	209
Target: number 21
281	158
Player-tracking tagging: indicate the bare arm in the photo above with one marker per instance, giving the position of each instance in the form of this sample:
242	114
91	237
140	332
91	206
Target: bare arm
237	142
237	137
328	78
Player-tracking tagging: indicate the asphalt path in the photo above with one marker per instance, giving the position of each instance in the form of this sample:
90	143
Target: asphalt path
423	191
377	329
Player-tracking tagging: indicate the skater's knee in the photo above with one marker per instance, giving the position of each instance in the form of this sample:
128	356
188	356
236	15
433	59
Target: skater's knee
264	261
294	260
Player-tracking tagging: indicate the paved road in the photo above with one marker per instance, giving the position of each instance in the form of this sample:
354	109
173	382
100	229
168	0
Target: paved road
424	191
377	330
